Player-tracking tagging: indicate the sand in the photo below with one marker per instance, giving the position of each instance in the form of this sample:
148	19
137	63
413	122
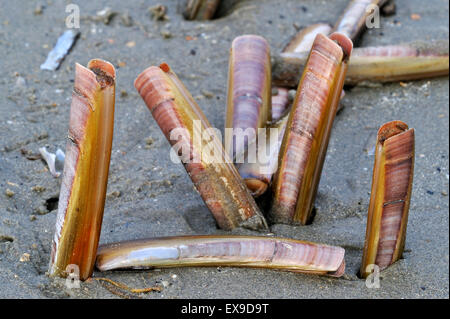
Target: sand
149	196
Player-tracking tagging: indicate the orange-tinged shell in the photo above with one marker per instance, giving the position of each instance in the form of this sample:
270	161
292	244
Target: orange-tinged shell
205	160
390	196
308	130
257	172
200	9
86	166
402	62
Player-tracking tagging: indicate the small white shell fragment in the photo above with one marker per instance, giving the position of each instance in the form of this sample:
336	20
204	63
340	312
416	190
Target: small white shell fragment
55	162
62	47
25	257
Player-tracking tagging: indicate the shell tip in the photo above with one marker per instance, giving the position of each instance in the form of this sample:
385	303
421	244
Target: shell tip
344	42
165	67
106	67
339	272
256	186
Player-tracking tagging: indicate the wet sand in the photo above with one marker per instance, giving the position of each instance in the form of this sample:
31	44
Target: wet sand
150	196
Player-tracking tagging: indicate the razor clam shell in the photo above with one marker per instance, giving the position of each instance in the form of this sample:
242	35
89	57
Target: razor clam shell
390	196
417	60
353	20
83	186
215	178
403	62
256	175
257	181
301	42
249	89
200	9
237	251
307	132
280	103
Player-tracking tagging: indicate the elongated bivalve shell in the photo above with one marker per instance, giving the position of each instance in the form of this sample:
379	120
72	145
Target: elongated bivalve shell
249	91
257	174
402	62
199	148
232	251
200	9
83	187
355	17
391	193
308	130
300	43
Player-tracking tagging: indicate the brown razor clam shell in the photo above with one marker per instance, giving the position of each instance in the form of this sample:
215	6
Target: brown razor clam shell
287	68
86	166
301	42
200	9
249	89
209	167
390	197
412	61
403	62
308	130
232	251
353	20
255	173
